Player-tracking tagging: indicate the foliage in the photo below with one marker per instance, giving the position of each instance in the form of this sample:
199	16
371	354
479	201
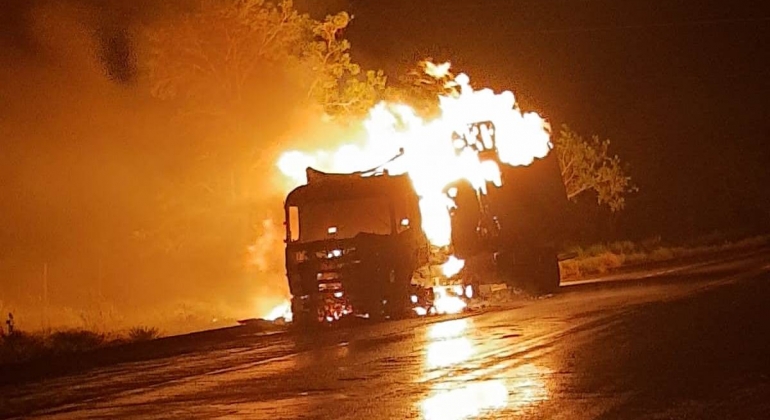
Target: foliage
73	341
604	258
143	334
339	85
239	72
215	56
422	85
21	345
587	166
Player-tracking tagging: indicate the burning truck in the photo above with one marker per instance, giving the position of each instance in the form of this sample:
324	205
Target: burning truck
474	195
353	249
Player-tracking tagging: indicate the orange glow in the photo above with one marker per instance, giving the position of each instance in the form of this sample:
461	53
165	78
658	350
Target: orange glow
430	156
467	401
437	71
282	310
462	389
452	266
527	386
449	352
435	153
448	329
448	302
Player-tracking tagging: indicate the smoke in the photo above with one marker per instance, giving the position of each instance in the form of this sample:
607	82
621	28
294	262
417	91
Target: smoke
116	207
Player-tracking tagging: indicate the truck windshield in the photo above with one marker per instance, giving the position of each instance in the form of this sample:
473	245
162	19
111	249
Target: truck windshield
343	219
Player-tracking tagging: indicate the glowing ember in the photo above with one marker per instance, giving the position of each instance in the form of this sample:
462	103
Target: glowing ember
452	266
430	156
283	310
448	302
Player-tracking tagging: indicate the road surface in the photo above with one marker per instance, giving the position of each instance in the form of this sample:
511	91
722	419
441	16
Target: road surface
691	342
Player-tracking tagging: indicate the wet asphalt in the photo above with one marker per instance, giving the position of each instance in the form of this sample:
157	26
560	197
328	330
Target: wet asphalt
688	342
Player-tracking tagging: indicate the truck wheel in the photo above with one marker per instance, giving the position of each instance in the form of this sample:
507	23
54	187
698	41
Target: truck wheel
549	275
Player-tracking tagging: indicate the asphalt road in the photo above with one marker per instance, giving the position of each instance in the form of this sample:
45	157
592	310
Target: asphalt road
689	342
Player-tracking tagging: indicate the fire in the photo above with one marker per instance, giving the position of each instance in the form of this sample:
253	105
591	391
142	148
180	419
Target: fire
437	70
437	153
428	155
452	266
449	300
282	310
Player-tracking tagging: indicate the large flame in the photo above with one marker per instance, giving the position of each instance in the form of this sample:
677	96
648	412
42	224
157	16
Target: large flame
430	157
428	154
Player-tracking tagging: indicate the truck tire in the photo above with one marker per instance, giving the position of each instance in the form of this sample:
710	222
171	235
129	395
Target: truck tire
548	274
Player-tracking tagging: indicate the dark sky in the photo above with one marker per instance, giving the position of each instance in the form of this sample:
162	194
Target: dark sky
679	86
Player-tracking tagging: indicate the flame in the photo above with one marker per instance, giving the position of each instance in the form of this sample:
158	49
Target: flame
426	152
447	301
437	71
282	310
452	266
430	157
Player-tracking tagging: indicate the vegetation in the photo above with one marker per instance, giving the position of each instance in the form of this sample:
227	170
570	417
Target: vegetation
588	167
143	333
239	75
601	259
217	54
21	346
421	86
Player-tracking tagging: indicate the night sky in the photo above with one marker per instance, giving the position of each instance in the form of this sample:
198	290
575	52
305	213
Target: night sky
680	87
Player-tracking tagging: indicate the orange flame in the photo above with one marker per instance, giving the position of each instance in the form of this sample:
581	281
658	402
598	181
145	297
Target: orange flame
429	156
282	310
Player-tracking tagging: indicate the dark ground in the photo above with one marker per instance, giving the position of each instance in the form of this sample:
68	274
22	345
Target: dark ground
677	343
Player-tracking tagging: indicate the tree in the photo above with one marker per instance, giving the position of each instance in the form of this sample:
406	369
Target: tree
216	55
340	85
587	167
238	72
422	86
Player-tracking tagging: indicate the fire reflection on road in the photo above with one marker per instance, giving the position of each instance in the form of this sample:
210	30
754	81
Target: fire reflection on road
449	346
466	401
449	352
458	393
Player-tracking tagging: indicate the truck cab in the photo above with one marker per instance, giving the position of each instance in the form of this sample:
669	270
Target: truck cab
353	244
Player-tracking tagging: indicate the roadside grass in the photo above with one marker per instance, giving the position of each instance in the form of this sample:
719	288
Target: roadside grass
143	333
22	346
600	259
98	323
